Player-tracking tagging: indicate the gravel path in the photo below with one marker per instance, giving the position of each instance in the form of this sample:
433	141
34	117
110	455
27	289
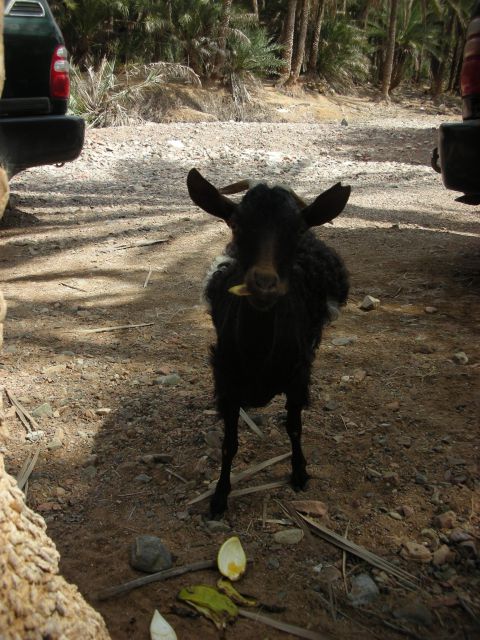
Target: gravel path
392	427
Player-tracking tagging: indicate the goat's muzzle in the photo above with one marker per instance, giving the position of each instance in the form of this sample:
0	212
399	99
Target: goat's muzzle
265	288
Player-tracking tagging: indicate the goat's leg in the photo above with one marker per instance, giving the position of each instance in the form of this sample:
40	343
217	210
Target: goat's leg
294	429
229	412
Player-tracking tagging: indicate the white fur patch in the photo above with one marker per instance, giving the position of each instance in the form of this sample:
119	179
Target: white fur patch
219	263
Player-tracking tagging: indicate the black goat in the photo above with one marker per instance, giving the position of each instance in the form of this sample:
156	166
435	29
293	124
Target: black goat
289	284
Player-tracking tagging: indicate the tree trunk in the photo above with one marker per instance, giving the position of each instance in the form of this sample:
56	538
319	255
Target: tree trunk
302	38
438	66
222	37
312	61
289	36
388	67
2	68
255	8
3	175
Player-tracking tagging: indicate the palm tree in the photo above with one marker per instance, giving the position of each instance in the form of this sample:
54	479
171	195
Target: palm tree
288	38
312	60
222	36
390	49
300	48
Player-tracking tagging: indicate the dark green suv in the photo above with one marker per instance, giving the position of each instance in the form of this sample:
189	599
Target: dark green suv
34	129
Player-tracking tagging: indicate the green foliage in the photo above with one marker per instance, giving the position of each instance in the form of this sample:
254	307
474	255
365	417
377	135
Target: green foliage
342	54
106	96
429	41
252	52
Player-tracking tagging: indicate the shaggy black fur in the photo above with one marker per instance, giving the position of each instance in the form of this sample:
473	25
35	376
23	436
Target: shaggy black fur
266	341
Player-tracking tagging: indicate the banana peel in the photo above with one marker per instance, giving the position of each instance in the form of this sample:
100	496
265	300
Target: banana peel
239	290
212	604
231	559
226	587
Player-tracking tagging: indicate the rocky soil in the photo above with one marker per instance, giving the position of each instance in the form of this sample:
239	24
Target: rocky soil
130	433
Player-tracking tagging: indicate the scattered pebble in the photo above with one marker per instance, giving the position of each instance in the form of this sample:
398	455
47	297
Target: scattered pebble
431	310
143	478
446	520
344	341
460	357
149	554
416	552
421	478
330	405
217	526
288	536
103	411
43	411
459	535
432	536
369	303
170	380
395	515
359	375
443	555
329	575
364	590
392	478
35	436
273	563
406	511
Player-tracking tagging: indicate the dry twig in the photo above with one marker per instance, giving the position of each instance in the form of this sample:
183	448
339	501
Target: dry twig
147	243
235	478
155	577
407	579
26	418
282	626
27	468
250	423
119	328
149	274
71	286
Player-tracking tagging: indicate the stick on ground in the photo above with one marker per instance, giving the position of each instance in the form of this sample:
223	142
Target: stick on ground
408	579
27	419
155	577
119	328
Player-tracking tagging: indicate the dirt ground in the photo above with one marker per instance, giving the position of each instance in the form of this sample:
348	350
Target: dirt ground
391	436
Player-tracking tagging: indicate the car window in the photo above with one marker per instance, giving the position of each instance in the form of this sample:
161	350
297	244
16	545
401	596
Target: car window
25	8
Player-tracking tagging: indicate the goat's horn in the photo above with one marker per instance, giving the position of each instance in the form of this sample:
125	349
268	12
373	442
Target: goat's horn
236	187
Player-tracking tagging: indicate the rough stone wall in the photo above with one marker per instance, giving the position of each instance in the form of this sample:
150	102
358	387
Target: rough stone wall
35	601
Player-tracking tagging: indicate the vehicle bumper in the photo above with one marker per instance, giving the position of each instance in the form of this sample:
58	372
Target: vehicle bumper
35	141
459	153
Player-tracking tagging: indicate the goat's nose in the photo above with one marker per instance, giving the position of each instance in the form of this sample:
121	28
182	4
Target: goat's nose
265	281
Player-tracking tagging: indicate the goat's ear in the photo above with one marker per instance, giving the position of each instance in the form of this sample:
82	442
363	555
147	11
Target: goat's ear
327	206
206	196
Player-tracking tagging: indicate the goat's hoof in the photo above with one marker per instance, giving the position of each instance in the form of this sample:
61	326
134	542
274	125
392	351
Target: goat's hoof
218	506
299	480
